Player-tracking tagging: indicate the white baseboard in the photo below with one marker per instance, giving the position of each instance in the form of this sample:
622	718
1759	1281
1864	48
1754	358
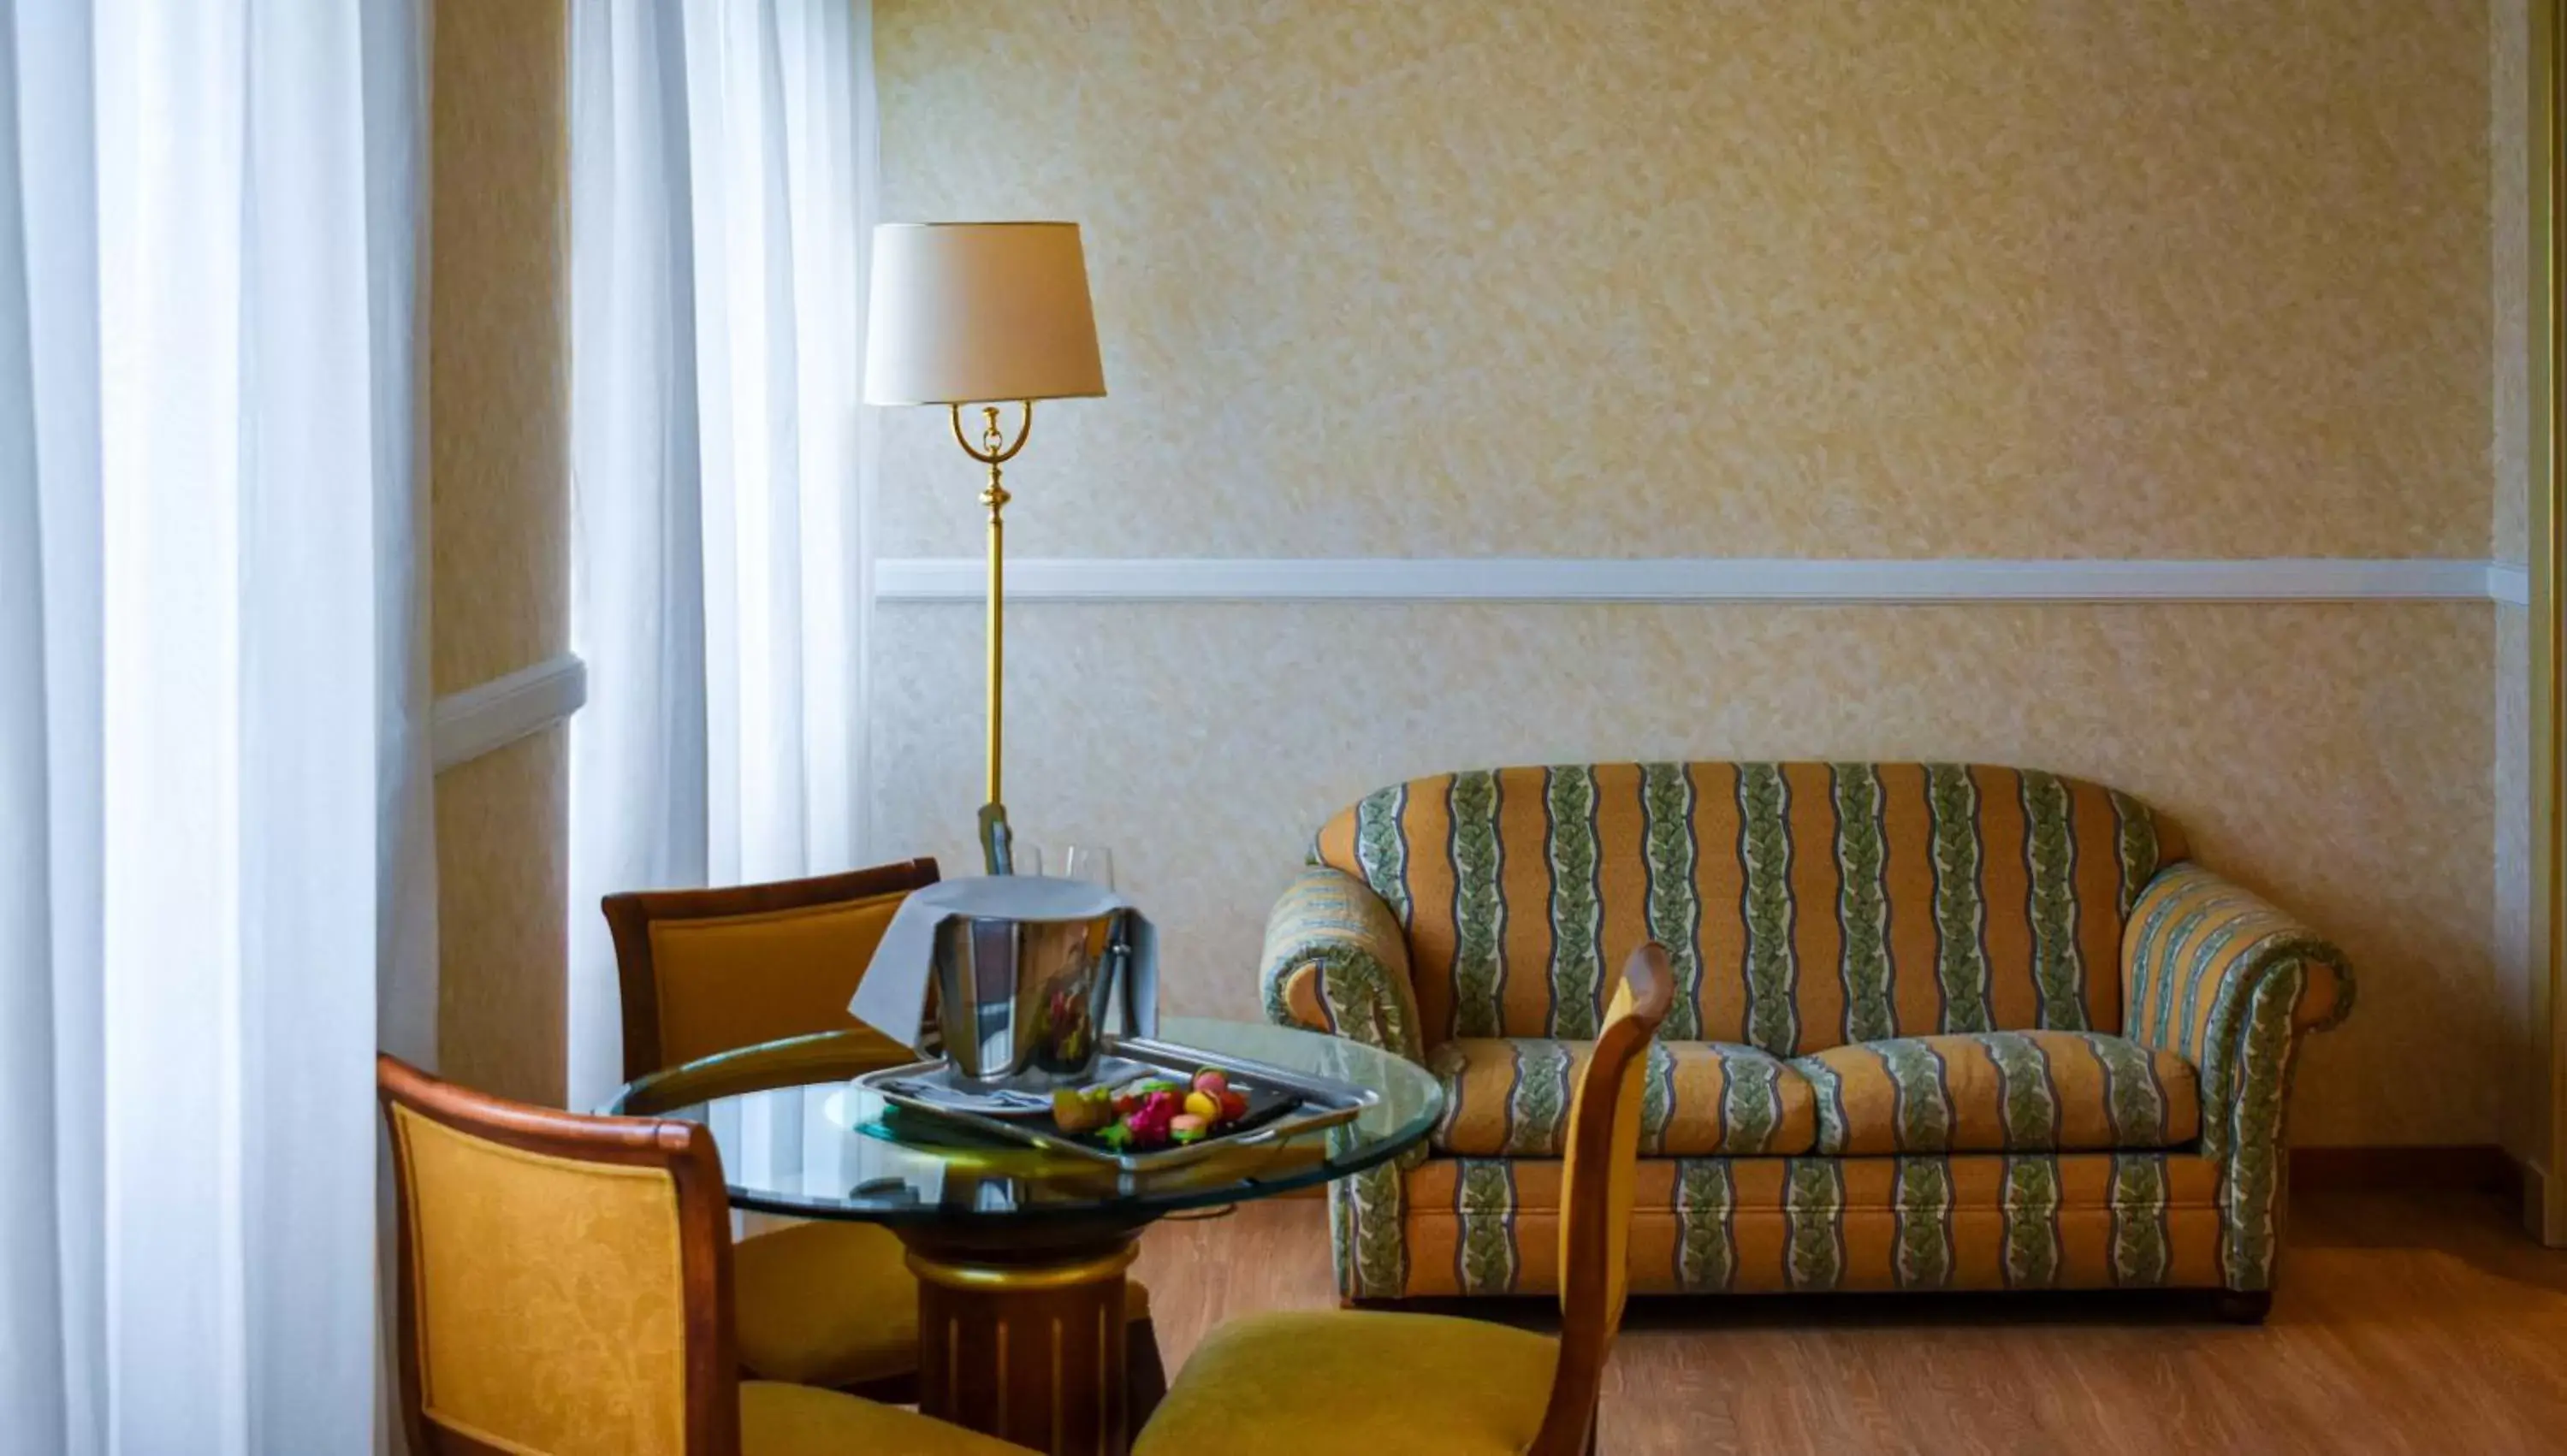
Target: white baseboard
2546	1223
1700	579
498	712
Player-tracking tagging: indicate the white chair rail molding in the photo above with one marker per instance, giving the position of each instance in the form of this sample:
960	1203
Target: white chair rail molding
1707	579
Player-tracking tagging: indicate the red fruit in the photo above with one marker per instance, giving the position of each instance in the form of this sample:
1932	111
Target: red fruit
1233	1107
1150	1121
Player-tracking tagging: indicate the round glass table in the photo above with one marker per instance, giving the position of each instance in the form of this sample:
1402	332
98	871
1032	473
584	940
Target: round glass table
1020	1252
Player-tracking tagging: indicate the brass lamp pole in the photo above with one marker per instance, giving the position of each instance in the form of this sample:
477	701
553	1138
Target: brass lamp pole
994	451
964	313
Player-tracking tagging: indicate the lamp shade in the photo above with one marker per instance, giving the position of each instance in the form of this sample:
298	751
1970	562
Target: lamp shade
977	312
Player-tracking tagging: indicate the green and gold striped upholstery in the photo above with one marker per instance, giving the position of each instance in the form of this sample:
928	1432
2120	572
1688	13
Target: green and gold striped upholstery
1807	905
2218	976
1985	1221
1509	1098
2001	1091
1937	1026
2201	945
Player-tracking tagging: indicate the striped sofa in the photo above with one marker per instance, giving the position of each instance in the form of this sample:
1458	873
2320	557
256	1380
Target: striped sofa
1937	1026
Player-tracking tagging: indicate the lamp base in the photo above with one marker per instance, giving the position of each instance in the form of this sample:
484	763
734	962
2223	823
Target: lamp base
998	843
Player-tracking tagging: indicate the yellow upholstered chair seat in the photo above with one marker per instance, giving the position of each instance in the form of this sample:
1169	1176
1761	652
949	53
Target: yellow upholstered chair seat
796	1421
1312	1381
826	1304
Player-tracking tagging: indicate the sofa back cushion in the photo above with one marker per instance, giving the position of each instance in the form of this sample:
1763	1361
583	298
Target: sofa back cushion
1805	905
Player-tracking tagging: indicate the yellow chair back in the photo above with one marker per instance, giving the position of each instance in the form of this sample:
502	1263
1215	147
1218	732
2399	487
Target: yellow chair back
562	1280
708	971
1598	1184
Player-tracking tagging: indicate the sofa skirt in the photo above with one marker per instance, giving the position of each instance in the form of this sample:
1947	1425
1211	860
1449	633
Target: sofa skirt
2056	1220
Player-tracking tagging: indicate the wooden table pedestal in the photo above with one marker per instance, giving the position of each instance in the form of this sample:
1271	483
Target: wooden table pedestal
1025	1343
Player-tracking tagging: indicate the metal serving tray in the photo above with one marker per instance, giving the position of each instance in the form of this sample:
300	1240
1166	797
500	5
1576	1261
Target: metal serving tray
1317	1102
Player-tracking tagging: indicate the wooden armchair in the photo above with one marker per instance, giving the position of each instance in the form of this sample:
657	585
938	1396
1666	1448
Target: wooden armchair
702	971
564	1287
1391	1384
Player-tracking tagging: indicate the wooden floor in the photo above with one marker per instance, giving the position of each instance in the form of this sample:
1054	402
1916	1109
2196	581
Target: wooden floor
2406	1321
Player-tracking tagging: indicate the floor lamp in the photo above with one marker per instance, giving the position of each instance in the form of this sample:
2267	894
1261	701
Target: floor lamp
982	314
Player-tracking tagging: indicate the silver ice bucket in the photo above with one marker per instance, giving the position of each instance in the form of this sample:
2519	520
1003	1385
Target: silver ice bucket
1025	998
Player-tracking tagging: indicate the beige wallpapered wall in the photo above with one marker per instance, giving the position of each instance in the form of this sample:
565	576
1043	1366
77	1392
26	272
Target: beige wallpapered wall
499	589
2509	172
1461	277
1727	277
2510	275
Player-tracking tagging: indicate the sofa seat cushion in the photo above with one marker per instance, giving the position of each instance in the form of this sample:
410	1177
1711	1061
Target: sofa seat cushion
2001	1091
1509	1098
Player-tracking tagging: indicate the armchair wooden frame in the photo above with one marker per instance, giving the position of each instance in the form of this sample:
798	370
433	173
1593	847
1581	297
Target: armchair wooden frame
1597	1233
684	1149
1289	1381
630	916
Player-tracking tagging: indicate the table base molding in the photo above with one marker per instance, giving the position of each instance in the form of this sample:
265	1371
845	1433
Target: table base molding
1028	1347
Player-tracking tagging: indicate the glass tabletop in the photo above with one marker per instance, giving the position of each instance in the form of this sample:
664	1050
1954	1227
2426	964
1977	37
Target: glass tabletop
797	1139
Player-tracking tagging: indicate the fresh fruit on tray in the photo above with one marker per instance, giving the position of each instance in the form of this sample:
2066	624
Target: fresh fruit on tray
1082	1109
1151	1111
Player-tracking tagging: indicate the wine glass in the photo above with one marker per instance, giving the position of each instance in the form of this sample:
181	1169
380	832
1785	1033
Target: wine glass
1094	863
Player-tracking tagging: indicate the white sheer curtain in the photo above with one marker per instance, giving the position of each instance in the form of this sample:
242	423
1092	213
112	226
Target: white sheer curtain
212	734
722	198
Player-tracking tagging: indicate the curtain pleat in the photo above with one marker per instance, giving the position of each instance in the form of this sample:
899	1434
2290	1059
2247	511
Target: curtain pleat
59	191
34	1267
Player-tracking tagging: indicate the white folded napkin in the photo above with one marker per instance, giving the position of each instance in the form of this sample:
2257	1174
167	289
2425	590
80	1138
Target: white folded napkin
892	999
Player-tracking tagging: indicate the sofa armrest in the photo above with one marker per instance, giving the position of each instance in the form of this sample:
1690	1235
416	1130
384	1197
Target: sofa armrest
1337	961
2213	973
